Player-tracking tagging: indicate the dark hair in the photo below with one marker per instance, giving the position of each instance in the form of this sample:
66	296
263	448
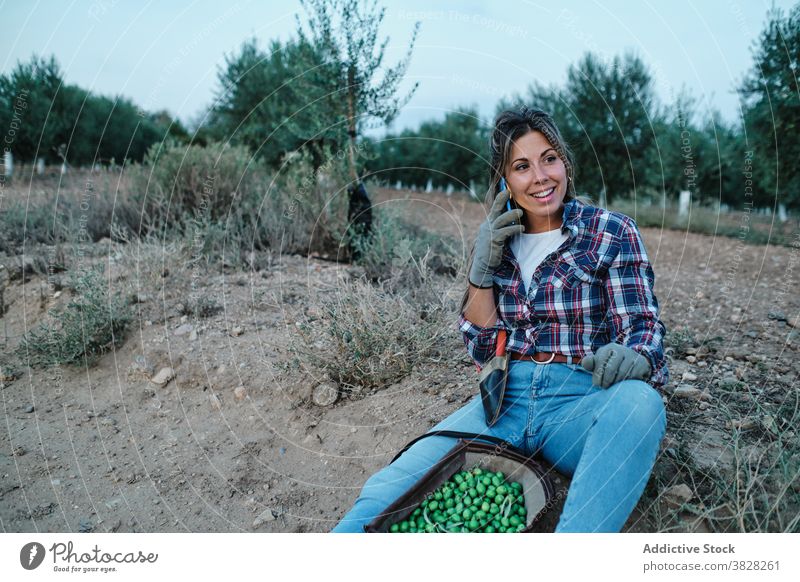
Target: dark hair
512	124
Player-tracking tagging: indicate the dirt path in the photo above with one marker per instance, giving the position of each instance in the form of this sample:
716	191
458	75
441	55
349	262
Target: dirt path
105	449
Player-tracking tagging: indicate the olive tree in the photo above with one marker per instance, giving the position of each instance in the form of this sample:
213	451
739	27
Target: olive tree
358	89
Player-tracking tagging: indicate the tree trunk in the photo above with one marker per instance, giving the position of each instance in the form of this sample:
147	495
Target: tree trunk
351	123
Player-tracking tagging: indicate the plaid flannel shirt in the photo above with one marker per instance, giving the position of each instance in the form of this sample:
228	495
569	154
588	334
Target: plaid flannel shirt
596	289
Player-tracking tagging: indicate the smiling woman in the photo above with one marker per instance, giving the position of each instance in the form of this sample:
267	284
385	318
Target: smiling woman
571	287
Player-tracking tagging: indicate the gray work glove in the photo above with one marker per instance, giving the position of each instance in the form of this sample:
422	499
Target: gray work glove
614	363
491	237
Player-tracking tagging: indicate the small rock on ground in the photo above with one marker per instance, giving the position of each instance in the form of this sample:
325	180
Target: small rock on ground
325	394
184	329
163	376
264	517
677	495
687	391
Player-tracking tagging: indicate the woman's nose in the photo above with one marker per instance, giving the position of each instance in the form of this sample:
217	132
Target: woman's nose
538	175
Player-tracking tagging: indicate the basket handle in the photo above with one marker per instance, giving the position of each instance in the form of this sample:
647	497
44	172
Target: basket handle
459	435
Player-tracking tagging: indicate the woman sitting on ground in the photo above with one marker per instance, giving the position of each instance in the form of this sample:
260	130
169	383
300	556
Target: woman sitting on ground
573	287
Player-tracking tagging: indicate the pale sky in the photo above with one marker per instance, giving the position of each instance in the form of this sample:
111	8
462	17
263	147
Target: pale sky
165	55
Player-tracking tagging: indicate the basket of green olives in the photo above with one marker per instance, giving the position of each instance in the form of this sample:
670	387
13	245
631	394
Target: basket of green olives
475	488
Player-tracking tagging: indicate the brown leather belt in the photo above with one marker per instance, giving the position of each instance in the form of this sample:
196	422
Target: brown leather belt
545	358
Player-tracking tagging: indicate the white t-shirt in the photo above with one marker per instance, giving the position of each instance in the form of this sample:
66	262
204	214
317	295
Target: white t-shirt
531	249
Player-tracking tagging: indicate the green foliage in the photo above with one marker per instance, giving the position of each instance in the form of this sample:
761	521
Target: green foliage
344	37
93	322
771	96
20	223
60	122
26	96
261	104
101	129
450	152
702	157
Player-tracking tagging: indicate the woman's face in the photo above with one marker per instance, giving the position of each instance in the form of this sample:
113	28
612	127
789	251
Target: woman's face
537	178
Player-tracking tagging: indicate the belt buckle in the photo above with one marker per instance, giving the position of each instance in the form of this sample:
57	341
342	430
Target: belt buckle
552	357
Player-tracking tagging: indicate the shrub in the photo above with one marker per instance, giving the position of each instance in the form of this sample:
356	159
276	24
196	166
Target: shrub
366	337
393	245
177	182
218	196
20	224
305	208
91	323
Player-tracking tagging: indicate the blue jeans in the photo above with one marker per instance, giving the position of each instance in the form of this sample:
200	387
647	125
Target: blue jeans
606	439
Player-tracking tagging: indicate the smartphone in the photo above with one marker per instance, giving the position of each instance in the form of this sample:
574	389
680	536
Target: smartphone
504	186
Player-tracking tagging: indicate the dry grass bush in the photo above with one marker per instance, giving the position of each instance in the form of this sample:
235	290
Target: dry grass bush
93	322
393	243
305	208
176	183
755	489
366	337
221	197
374	329
80	207
763	492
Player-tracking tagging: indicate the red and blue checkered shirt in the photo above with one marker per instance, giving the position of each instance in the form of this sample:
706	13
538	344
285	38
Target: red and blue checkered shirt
596	289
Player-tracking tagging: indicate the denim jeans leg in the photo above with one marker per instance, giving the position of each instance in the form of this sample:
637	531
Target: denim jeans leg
388	484
608	440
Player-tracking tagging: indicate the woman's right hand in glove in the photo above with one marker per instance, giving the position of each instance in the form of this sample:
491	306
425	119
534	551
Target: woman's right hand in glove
491	238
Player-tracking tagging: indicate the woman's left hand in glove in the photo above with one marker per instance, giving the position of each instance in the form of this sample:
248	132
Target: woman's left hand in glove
614	363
